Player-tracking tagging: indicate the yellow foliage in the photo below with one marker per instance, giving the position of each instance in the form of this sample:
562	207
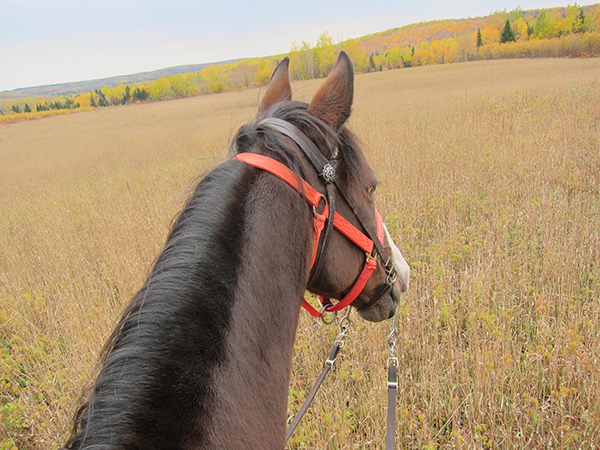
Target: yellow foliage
424	57
160	89
263	72
490	35
84	99
521	27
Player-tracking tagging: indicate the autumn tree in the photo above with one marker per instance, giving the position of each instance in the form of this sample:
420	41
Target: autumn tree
359	59
490	35
521	29
462	49
546	25
263	72
214	79
302	61
393	59
324	55
242	74
114	95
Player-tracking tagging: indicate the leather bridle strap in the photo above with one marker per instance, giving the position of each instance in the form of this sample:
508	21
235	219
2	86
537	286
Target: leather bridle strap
324	167
326	171
311	395
339	223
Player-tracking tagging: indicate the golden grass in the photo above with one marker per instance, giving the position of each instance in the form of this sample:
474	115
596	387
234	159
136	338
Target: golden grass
490	178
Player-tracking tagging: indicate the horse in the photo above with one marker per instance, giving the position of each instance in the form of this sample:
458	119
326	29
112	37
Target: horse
201	357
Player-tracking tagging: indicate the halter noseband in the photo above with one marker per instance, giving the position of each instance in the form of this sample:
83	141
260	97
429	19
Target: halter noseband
328	218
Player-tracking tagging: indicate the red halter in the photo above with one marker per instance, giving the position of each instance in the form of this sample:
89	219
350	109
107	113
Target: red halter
339	223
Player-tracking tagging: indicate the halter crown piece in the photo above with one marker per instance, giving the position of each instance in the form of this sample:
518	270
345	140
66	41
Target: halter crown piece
328	218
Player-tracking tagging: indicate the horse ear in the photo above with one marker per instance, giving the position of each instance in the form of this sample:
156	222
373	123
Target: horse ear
333	101
279	88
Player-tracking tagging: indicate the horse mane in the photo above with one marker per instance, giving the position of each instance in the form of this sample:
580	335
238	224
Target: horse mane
191	283
196	265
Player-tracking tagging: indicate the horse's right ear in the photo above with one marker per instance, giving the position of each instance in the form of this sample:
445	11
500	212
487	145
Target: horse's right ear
333	101
279	88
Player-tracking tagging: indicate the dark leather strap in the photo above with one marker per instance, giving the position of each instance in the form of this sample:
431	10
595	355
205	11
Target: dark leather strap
309	148
328	365
319	161
391	417
323	167
318	265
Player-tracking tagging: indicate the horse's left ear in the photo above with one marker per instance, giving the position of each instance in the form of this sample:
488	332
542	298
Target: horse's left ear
333	101
279	88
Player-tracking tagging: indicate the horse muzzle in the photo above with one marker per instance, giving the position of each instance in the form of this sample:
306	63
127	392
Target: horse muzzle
384	307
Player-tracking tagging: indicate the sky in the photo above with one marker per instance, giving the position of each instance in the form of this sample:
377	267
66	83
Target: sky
58	41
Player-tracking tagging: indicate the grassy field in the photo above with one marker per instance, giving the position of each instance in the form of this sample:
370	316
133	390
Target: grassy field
490	178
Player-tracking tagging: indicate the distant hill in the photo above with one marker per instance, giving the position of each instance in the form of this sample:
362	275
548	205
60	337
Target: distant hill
80	87
572	31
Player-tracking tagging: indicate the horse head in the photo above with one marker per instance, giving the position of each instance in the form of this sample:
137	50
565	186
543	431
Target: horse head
348	194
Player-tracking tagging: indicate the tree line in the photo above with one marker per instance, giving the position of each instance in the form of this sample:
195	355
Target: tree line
556	32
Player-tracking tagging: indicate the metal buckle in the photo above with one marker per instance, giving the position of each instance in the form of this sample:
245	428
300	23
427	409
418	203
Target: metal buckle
324	198
323	316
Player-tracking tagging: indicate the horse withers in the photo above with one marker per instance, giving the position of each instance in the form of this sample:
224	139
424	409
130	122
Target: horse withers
201	357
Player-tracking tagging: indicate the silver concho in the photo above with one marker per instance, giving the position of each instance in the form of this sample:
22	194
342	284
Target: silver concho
328	173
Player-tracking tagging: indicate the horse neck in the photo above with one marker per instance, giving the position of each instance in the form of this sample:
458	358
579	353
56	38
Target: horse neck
252	382
201	358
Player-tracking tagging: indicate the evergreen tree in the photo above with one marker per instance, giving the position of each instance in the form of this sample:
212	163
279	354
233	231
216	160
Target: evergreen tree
578	26
27	108
508	34
126	96
102	102
140	94
371	63
15	109
479	39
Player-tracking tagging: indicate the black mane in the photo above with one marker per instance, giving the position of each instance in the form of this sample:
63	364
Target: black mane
191	280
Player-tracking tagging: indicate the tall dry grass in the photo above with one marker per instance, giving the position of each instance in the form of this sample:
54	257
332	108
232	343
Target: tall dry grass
489	182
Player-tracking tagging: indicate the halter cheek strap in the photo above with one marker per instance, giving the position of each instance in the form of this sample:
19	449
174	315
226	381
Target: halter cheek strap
314	199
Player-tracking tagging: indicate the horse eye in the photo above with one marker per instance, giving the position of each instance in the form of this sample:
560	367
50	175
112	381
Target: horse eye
371	189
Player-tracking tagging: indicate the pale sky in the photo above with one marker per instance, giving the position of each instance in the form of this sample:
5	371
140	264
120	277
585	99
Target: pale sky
57	41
